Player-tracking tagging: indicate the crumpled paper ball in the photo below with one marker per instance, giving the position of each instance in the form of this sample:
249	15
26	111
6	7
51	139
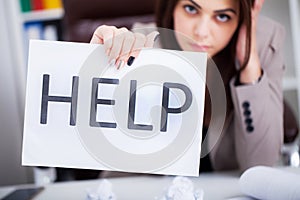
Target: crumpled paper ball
103	192
182	188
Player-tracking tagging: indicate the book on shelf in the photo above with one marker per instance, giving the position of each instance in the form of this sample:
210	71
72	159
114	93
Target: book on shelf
25	5
52	4
33	5
41	30
52	30
37	4
33	30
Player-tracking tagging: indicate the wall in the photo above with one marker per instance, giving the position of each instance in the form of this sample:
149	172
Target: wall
12	91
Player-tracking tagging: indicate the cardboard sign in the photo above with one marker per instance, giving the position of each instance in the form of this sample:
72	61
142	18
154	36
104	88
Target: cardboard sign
81	112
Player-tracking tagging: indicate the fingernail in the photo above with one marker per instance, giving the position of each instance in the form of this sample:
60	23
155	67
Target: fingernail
156	37
130	60
121	63
112	62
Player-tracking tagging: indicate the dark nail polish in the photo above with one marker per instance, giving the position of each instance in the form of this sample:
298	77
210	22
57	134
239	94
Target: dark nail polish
156	37
130	60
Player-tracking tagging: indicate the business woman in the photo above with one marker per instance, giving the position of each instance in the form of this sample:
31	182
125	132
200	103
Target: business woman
247	50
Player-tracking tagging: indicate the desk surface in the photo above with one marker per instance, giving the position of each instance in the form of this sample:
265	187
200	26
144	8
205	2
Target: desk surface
215	186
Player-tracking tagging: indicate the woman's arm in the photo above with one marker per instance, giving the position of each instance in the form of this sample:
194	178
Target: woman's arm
252	71
258	107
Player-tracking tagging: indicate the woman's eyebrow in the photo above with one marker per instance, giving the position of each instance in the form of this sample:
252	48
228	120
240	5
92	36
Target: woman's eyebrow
216	11
195	4
226	10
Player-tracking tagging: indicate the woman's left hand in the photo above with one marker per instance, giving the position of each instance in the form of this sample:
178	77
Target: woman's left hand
252	71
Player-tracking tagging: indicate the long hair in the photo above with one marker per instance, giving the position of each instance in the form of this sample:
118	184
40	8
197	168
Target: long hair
225	59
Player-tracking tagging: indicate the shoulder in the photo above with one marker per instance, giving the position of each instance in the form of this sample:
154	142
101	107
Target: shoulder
270	33
270	46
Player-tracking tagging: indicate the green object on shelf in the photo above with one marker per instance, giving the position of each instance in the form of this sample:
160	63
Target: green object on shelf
25	5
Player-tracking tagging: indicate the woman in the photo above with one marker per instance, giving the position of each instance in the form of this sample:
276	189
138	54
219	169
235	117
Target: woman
247	52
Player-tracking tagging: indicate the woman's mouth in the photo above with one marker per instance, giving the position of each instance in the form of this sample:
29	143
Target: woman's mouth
201	48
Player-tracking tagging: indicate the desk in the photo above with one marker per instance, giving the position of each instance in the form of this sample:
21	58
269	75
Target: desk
215	185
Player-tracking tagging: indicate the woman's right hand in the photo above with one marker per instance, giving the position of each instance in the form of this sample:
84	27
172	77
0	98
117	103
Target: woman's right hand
120	44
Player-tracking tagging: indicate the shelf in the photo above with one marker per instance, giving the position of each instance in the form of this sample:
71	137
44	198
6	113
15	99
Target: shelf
41	15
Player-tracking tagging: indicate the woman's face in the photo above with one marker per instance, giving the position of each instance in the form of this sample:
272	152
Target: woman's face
206	25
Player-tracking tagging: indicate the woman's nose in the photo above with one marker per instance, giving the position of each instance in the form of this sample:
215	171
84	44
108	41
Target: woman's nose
202	28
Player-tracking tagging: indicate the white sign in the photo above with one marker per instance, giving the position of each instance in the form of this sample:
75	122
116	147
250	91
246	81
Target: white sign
81	112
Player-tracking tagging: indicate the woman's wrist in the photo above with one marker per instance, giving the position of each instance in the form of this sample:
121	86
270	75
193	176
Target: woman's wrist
250	78
252	73
253	82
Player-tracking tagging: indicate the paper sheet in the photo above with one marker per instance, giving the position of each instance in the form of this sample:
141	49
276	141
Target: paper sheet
81	112
268	183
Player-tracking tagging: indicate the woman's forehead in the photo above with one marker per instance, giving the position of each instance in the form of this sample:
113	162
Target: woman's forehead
216	4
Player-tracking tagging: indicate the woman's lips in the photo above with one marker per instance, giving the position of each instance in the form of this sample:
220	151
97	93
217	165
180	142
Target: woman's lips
201	48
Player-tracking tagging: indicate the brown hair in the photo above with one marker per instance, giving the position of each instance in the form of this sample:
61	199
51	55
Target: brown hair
225	58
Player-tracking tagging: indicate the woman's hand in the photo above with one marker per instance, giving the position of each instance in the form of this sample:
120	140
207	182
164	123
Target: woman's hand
120	43
252	71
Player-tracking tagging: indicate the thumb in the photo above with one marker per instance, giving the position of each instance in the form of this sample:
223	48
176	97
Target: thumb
151	38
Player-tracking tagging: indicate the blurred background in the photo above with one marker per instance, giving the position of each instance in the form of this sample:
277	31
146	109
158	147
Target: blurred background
75	20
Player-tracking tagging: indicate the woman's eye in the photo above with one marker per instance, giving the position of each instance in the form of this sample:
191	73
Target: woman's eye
223	18
190	9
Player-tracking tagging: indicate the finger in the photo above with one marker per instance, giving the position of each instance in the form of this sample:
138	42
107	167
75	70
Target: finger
107	40
117	43
129	59
103	35
241	44
257	7
97	37
107	34
138	44
151	38
126	49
